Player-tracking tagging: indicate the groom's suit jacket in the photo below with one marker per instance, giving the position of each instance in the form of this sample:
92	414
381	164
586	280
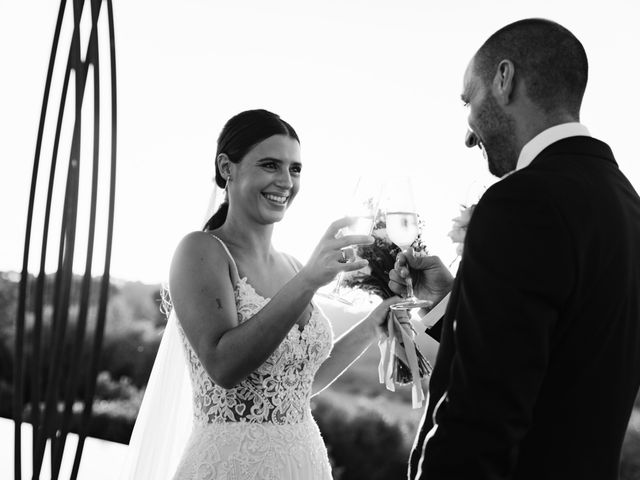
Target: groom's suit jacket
539	358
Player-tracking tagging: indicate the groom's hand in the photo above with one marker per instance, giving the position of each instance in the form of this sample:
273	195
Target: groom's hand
431	279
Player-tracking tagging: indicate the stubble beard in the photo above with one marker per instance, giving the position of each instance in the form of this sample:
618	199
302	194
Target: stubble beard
498	139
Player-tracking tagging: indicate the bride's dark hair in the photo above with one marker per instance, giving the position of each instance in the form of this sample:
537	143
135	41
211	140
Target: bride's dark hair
239	135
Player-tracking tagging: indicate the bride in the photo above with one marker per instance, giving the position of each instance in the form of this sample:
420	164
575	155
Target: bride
256	345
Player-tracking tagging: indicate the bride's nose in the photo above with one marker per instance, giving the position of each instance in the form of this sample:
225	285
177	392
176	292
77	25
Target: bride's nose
284	179
471	140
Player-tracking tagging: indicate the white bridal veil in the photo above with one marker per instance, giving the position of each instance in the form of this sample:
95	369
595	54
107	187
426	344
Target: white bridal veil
165	418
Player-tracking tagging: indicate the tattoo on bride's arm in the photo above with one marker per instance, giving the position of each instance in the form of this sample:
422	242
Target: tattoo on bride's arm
219	304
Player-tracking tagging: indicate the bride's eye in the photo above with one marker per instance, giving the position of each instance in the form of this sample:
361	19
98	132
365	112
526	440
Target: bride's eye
270	165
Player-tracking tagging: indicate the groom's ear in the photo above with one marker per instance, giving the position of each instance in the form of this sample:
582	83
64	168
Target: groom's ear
503	82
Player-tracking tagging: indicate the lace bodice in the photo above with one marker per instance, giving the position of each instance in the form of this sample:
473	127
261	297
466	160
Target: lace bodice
278	391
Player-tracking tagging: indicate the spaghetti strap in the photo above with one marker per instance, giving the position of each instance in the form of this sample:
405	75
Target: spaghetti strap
233	262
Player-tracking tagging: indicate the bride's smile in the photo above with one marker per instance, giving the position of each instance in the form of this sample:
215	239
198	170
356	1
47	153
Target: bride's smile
279	200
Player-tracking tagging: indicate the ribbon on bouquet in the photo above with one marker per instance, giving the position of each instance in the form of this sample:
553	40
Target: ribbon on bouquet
399	346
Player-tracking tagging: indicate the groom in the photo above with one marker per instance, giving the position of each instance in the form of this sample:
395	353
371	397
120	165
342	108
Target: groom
539	358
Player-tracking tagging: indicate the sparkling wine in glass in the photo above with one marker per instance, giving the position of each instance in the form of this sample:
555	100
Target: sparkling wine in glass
402	229
363	207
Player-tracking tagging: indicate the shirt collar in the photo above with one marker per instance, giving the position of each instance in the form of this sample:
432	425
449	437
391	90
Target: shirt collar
545	138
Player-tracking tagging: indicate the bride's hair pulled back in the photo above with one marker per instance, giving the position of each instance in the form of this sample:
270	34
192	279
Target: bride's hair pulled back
239	135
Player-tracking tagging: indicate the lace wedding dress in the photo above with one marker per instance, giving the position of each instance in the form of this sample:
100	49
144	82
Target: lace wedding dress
262	428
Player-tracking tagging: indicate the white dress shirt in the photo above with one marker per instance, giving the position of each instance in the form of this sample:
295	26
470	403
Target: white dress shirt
545	138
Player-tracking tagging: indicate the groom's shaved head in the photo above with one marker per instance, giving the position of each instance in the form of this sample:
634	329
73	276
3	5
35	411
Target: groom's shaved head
548	57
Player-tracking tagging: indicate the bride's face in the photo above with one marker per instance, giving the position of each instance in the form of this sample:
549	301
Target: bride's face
267	179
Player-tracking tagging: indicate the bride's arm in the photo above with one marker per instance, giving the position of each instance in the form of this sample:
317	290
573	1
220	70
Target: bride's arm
351	345
203	298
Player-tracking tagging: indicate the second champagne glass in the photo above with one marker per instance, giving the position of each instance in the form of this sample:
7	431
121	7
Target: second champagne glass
402	229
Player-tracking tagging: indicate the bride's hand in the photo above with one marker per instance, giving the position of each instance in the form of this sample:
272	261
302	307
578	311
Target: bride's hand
328	259
377	318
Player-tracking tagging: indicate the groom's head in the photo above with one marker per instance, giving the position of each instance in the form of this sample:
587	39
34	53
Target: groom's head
528	76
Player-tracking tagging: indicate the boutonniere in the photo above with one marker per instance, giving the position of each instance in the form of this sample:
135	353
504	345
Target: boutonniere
460	224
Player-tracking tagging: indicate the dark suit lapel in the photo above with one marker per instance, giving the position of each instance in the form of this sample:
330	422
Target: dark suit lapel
439	378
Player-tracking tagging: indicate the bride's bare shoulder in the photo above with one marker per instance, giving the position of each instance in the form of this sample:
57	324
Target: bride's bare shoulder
199	254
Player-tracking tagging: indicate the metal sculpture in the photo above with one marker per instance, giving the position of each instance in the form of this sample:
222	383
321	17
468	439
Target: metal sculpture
51	399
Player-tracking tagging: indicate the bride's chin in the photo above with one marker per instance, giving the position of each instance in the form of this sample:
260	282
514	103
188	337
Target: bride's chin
273	217
279	217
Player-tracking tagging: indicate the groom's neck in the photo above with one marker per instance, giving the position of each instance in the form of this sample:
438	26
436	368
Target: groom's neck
531	122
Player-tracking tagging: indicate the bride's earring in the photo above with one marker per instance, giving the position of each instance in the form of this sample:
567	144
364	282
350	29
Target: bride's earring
226	186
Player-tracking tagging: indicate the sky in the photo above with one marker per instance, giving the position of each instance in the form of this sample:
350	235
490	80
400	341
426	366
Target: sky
370	87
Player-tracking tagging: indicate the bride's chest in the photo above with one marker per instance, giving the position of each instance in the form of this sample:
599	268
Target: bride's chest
304	346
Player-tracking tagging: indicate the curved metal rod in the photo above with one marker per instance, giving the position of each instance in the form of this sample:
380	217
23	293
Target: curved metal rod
58	443
104	287
64	275
50	422
18	379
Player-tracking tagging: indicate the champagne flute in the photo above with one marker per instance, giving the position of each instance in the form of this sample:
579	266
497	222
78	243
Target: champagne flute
363	207
402	229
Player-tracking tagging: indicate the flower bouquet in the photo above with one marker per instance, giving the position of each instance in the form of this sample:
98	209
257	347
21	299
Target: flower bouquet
401	362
